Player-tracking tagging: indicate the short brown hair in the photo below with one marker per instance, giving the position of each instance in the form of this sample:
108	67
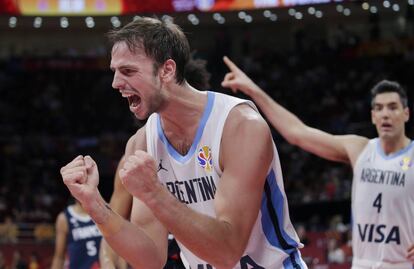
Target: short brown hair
160	39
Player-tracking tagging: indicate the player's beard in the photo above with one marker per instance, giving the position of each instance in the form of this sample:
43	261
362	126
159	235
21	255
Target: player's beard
155	100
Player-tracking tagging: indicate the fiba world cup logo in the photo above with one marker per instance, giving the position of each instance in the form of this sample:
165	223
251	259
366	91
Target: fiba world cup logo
205	159
406	163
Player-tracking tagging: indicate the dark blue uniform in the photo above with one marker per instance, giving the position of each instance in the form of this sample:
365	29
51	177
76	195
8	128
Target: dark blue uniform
83	241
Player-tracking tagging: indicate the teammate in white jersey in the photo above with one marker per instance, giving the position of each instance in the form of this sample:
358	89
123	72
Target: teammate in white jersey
229	210
383	184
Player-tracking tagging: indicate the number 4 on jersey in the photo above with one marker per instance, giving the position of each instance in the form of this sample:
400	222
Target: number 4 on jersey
378	202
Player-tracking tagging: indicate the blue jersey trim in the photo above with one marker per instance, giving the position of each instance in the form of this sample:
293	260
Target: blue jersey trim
393	155
294	261
171	150
272	216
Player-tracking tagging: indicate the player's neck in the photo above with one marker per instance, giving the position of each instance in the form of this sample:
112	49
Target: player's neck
390	146
183	110
181	117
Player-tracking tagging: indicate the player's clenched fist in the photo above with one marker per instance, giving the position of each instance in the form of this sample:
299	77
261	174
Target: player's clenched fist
139	175
81	177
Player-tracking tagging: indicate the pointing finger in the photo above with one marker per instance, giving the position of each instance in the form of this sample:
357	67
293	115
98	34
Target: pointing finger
232	66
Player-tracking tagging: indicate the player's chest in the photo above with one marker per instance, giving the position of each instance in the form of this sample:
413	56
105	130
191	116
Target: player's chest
395	177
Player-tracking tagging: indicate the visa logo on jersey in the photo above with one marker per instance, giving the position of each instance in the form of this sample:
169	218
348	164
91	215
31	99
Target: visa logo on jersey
379	233
205	159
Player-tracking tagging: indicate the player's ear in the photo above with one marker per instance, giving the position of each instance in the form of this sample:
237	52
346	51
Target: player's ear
167	70
406	114
372	116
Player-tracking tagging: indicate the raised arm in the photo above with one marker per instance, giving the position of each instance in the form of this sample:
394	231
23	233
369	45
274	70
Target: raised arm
219	240
121	203
142	242
343	148
61	227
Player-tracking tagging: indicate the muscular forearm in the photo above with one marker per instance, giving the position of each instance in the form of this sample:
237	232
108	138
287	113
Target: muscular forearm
108	259
210	239
135	246
318	142
125	238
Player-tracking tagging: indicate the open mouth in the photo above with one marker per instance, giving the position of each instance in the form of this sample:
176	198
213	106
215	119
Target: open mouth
386	126
134	100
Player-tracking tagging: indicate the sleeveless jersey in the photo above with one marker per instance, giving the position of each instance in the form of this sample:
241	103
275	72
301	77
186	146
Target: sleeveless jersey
83	241
193	180
383	207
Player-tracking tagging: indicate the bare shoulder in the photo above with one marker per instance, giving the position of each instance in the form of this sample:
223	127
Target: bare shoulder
245	131
136	142
245	117
61	218
354	145
61	222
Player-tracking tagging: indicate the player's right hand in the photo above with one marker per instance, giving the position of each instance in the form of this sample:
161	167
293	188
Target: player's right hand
81	177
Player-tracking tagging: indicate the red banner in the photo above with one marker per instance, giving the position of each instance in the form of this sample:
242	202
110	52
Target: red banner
120	7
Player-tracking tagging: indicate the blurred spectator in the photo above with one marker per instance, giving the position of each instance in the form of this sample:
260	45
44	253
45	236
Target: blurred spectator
18	262
2	261
9	231
44	232
301	231
337	225
335	253
347	245
34	261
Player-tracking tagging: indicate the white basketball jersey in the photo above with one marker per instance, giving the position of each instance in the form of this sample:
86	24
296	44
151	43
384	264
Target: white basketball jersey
193	179
383	208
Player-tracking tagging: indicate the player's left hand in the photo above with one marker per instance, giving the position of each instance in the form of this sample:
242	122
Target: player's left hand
139	176
410	253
